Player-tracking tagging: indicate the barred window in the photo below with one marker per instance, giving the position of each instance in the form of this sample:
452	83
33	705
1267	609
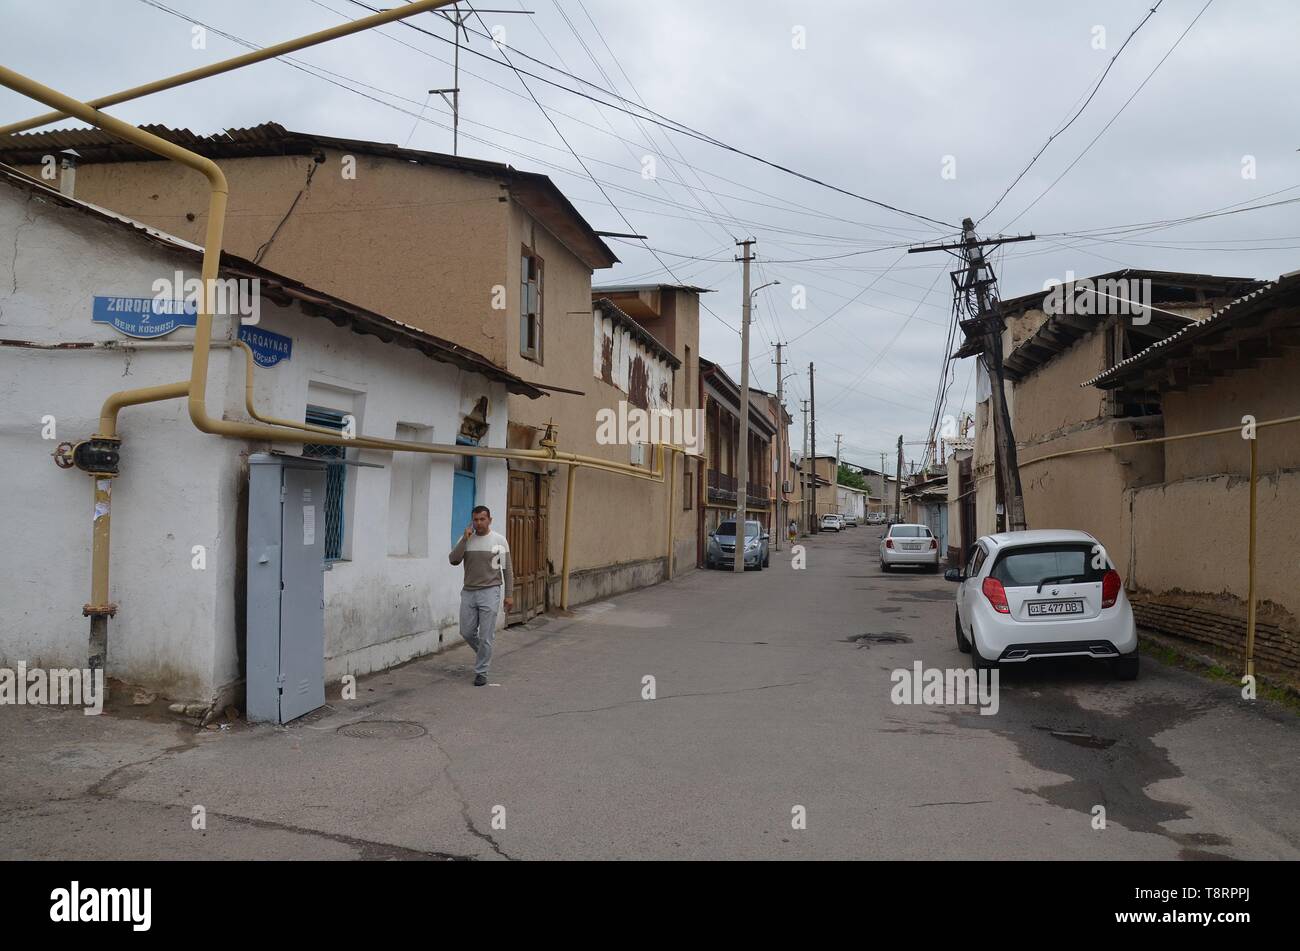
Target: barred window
336	477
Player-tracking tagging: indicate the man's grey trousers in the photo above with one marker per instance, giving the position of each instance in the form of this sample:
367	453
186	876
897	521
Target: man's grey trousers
478	622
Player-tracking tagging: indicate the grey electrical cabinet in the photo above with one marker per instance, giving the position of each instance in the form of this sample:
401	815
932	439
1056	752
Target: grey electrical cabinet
286	587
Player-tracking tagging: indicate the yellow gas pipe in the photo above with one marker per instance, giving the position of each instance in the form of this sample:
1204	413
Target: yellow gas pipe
1254	465
235	62
100	609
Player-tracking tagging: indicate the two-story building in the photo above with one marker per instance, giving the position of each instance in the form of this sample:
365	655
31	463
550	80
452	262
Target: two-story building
723	444
482	255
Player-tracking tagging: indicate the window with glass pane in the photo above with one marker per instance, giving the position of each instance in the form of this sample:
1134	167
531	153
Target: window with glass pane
530	307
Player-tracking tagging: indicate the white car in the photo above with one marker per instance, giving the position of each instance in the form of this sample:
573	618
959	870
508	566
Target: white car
909	545
850	521
1040	594
831	523
875	518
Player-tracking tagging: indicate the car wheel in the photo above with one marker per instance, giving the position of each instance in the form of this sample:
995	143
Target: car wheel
977	660
963	645
767	560
884	568
1126	668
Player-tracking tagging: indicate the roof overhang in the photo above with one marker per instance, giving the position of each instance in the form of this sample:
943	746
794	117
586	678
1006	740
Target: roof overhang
284	290
1235	337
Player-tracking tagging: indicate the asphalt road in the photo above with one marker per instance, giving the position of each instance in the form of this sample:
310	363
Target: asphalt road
772	702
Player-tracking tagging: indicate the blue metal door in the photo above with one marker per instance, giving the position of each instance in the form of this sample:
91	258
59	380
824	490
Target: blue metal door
463	490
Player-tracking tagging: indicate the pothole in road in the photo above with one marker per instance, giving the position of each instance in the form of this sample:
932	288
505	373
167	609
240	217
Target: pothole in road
1078	738
382	730
883	637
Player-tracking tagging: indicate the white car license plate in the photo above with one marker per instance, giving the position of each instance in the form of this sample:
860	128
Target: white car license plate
1041	608
913	546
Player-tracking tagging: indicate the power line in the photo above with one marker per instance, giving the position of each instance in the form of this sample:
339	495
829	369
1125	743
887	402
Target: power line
659	119
1050	138
1089	146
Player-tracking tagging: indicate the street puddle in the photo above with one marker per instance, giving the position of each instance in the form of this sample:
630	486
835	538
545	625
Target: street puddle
1086	740
883	637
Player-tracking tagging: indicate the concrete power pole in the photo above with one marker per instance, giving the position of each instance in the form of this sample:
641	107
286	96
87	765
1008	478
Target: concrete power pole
803	470
835	492
884	502
782	456
742	442
812	399
898	483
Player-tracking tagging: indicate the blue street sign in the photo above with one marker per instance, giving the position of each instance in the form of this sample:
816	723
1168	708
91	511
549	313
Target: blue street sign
144	316
268	347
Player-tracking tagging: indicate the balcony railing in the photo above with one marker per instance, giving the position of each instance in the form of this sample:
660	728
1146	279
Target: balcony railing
722	488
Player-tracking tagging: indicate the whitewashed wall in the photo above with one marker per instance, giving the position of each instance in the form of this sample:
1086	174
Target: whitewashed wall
176	627
627	350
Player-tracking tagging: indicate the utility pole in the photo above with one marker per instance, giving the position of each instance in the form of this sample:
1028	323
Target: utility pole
742	442
835	492
782	456
803	470
975	285
898	483
812	399
884	502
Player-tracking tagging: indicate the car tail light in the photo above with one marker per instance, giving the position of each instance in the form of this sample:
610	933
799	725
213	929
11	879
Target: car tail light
1110	585
889	543
934	544
996	594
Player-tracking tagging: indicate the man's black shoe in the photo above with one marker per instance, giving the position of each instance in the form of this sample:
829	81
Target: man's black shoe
479	680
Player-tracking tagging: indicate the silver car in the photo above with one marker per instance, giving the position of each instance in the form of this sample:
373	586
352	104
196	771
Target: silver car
905	544
721	549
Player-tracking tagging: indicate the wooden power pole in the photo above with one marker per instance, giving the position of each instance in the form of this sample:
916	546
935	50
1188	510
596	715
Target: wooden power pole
975	285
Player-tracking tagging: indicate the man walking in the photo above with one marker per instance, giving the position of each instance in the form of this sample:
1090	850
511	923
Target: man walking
486	555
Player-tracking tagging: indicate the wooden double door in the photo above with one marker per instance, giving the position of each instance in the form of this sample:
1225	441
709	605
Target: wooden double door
527	522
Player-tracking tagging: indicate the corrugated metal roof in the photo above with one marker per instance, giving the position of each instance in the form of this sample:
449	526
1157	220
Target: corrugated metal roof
1287	282
279	288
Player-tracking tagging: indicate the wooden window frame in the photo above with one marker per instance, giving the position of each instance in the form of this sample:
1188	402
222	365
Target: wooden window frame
533	353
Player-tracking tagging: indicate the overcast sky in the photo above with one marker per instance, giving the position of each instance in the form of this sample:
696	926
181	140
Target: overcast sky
876	98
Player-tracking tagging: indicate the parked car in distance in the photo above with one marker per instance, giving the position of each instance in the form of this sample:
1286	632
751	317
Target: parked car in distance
875	518
830	523
1040	594
850	521
721	549
909	545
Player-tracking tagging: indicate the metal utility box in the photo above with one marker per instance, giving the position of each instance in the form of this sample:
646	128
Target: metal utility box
286	587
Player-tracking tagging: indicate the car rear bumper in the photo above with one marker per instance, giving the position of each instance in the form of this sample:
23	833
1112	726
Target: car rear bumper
1104	637
892	556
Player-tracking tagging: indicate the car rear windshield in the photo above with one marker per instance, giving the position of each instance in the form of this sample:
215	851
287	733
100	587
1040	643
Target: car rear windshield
1067	563
729	528
909	531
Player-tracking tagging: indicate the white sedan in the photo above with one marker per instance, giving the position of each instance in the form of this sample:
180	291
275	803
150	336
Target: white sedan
1040	594
831	523
909	545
